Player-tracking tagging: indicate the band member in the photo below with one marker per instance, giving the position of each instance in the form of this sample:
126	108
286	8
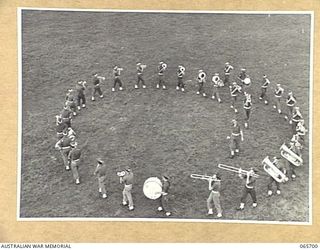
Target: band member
64	146
81	98
217	83
291	167
71	102
247	105
140	68
116	74
301	130
66	116
60	127
214	197
242	75
264	88
236	136
235	89
180	73
227	70
69	94
127	180
278	95
249	188
74	159
276	163
101	173
97	80
71	134
296	117
244	80
164	203
201	81
161	68
291	101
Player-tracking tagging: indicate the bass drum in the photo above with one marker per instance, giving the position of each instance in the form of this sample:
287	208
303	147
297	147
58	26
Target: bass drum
152	188
246	81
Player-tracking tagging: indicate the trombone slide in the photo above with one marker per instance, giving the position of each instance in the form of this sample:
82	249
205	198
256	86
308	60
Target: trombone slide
236	170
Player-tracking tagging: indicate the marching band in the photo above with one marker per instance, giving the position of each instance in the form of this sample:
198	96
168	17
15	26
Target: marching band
156	189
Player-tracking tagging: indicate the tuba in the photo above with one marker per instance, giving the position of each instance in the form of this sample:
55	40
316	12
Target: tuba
290	156
273	171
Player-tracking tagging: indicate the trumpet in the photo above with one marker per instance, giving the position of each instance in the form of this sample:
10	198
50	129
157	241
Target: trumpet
273	171
203	177
237	170
290	156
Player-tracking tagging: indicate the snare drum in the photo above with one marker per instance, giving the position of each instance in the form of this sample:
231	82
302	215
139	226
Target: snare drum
246	81
152	188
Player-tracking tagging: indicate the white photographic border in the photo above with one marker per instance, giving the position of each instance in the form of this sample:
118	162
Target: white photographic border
19	151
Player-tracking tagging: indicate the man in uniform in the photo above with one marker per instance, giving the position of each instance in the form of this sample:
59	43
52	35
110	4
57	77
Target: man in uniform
276	163
235	89
214	197
296	117
278	95
74	158
97	80
249	188
70	102
180	73
236	136
227	70
217	83
291	101
164	201
116	73
60	127
291	167
247	105
63	145
201	81
101	173
301	130
264	87
140	68
66	116
127	180
161	68
81	98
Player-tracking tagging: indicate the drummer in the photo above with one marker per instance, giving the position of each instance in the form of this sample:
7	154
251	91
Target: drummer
244	80
164	201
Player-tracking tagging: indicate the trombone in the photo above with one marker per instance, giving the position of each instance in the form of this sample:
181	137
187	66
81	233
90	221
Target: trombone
290	155
273	171
237	170
203	177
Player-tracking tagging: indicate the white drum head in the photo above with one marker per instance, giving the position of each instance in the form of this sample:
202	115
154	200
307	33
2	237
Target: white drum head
152	188
247	80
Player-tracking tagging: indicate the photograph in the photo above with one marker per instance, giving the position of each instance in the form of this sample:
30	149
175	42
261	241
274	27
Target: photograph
184	116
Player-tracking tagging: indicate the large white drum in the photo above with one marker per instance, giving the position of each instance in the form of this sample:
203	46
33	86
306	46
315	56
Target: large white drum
152	188
247	81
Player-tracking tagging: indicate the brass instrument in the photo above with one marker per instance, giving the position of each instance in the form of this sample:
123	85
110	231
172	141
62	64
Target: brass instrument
203	177
121	173
237	170
290	156
273	171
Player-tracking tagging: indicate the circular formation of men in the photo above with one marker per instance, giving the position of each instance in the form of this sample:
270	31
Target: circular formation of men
279	168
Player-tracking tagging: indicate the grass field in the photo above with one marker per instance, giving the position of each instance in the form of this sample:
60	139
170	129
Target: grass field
157	131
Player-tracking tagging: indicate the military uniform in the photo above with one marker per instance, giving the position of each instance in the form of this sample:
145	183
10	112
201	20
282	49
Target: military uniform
247	105
235	89
97	80
201	81
282	168
140	76
296	118
164	200
235	138
74	157
127	180
216	83
81	98
101	172
63	145
117	80
214	197
264	88
161	69
249	188
180	74
278	95
227	71
291	101
66	116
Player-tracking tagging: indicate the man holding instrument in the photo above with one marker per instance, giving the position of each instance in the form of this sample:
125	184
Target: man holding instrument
127	180
214	197
249	187
275	162
164	204
236	136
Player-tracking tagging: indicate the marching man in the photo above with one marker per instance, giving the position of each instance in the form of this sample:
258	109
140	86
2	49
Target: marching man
101	173
201	81
180	73
164	203
275	162
291	101
161	68
140	68
66	116
227	70
97	80
64	146
264	87
247	105
81	98
249	188
60	127
70	102
127	181
236	136
74	158
214	197
116	74
296	117
235	89
243	76
301	130
217	84
278	95
291	167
